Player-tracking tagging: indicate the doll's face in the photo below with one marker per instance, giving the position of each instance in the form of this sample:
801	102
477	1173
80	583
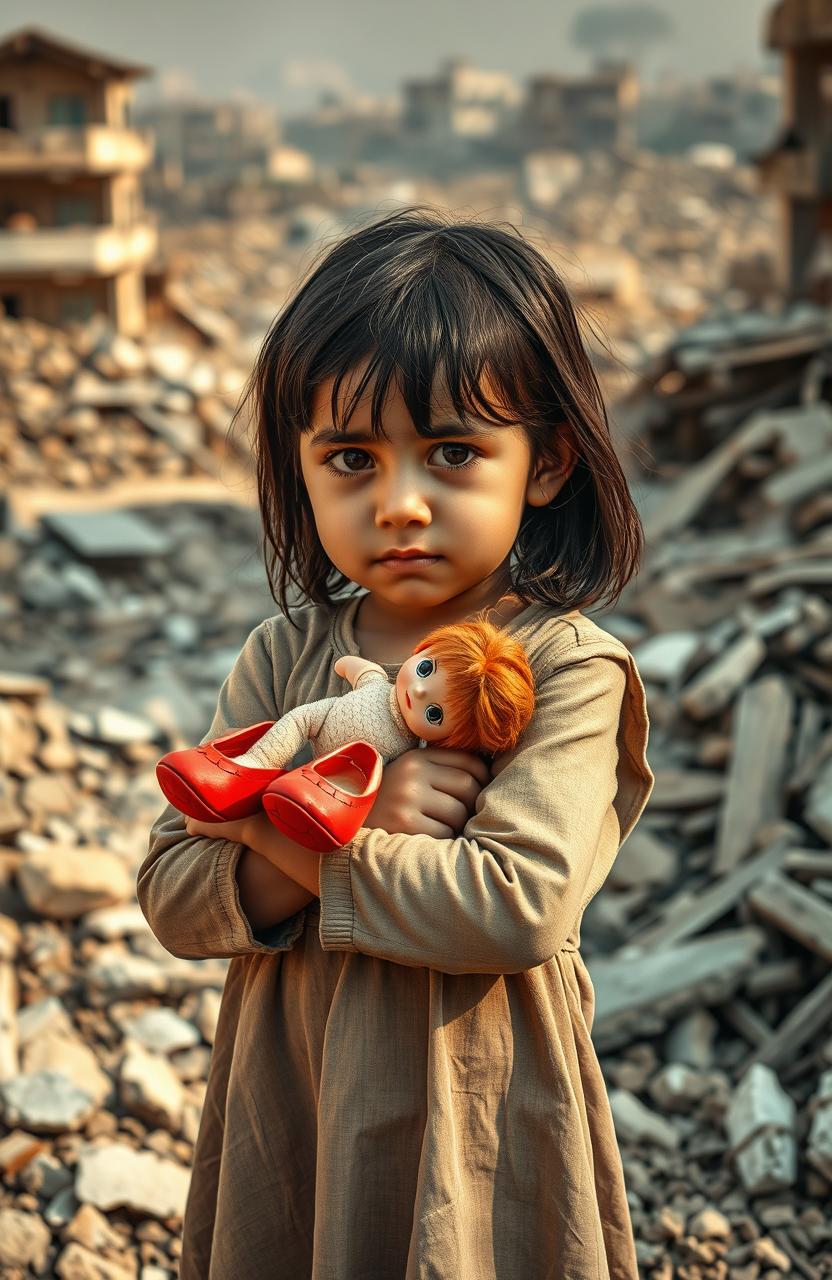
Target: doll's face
421	688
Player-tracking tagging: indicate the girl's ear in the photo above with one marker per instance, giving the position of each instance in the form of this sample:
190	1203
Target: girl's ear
547	478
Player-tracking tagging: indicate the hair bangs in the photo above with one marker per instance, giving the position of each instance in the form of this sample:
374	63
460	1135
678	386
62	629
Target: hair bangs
448	348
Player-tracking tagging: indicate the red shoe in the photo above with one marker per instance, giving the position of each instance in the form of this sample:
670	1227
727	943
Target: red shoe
207	784
322	804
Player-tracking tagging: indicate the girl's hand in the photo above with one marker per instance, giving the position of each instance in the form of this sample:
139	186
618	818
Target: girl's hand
238	831
429	791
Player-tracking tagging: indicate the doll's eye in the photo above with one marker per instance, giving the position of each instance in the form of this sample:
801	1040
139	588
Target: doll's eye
425	667
433	714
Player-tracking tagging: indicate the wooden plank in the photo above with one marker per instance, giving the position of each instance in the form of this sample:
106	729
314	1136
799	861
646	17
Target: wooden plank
795	911
808	864
715	687
689	495
756	775
714	902
636	992
808	1019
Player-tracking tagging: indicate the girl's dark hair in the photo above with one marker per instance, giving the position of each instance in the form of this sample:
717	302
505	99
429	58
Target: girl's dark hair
417	292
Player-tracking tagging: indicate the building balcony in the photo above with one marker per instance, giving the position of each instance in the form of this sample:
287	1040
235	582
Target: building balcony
92	148
79	250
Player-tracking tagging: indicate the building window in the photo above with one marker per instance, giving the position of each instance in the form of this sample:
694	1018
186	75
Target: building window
67	108
77	306
71	211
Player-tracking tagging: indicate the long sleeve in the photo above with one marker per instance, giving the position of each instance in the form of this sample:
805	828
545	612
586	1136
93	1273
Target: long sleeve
505	894
187	886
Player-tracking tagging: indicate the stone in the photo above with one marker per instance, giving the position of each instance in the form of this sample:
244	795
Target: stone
709	1224
113	922
761	1123
665	657
150	1088
112	725
61	1208
91	1229
819	1142
114	1175
118	974
161	1030
45	1176
691	1039
24	1240
17	1150
45	1102
634	1122
42	1016
678	1088
107	535
64	883
71	1057
77	1263
207	1013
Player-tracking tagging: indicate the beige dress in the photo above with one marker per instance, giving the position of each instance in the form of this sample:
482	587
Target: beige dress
403	1082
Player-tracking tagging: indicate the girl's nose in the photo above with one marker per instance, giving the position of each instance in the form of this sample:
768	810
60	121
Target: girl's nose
400	501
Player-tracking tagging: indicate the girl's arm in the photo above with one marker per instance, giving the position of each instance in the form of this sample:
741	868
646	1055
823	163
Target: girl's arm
187	886
268	895
505	895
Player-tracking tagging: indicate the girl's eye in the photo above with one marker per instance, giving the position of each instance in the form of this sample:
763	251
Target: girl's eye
350	455
345	453
433	714
425	667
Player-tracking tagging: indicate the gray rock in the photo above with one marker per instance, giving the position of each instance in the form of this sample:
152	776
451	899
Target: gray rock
45	1102
819	1143
114	1175
107	535
45	1176
62	1208
161	1030
636	1123
44	1015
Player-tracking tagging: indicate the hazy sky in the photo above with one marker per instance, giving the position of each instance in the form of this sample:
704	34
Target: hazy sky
285	52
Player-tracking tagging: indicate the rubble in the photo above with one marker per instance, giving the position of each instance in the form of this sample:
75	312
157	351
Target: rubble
729	622
84	408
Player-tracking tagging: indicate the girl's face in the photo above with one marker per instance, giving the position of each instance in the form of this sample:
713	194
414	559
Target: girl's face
459	498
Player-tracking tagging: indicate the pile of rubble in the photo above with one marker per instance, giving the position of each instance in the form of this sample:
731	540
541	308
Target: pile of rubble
711	947
84	408
118	628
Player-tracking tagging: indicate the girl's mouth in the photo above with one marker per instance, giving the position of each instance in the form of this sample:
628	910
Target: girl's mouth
405	564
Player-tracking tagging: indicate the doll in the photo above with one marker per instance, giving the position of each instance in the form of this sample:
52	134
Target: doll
466	686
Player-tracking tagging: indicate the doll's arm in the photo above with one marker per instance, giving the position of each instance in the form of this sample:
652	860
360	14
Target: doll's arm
280	744
354	669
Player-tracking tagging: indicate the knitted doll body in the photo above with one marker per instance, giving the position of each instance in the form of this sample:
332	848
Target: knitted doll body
369	712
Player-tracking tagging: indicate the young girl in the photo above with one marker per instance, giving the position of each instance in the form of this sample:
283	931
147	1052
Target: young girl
403	1082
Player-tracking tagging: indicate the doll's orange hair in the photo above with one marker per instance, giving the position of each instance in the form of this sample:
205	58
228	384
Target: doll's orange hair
491	686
